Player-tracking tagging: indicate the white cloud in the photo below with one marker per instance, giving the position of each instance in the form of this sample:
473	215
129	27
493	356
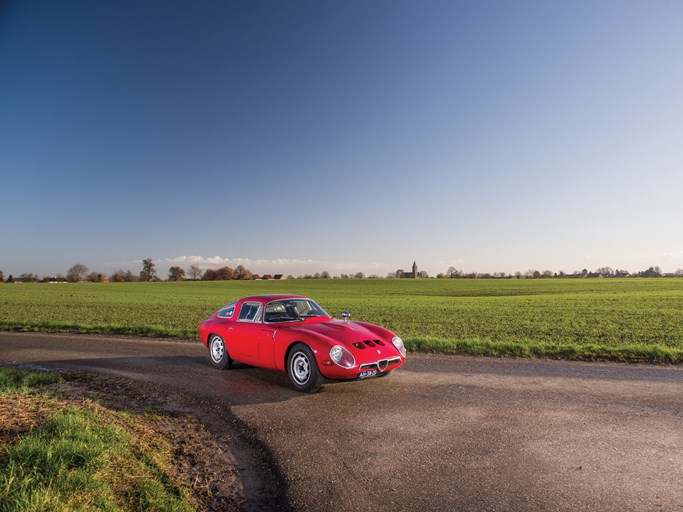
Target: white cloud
672	255
256	265
293	266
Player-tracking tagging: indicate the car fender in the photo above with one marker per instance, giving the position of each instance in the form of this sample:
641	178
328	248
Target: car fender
383	333
319	344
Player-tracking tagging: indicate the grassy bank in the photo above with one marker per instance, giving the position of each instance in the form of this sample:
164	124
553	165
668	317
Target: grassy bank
589	319
68	458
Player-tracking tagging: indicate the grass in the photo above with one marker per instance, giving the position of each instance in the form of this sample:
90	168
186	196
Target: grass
81	459
637	320
13	379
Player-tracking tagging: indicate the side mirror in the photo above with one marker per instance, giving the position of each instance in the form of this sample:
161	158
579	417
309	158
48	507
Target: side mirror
346	315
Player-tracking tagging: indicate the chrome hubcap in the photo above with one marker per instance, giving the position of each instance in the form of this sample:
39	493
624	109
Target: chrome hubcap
217	349
301	368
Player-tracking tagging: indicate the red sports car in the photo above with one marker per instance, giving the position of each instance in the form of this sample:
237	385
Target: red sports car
293	334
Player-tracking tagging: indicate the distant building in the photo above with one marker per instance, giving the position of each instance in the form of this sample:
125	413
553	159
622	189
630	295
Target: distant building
266	277
409	275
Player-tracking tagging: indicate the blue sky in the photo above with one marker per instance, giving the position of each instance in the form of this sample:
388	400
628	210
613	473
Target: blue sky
350	136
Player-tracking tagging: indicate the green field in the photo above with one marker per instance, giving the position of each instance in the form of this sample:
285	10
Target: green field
590	319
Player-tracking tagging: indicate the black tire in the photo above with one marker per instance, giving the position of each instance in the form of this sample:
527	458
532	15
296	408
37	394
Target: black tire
218	353
303	370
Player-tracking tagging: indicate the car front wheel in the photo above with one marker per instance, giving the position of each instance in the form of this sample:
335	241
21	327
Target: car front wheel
302	369
218	353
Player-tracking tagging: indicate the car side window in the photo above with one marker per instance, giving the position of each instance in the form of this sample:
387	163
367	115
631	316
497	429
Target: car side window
275	312
250	312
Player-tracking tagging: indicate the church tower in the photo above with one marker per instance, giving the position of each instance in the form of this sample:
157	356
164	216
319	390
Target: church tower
415	275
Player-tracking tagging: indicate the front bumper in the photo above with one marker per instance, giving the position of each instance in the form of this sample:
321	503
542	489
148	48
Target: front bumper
366	369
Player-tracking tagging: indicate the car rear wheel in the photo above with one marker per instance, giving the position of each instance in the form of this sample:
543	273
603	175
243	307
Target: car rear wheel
302	369
218	353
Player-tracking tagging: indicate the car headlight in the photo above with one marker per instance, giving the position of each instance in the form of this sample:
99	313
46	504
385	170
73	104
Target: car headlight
398	343
342	357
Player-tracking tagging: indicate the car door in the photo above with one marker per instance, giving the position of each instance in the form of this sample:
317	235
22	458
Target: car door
245	333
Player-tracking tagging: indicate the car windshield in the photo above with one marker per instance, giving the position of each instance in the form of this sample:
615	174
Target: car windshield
292	310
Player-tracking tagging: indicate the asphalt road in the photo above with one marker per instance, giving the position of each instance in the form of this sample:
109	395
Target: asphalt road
441	433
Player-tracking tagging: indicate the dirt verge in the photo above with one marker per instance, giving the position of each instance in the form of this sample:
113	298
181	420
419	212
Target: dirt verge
209	455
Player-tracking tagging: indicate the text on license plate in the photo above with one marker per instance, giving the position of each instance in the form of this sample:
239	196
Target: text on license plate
367	373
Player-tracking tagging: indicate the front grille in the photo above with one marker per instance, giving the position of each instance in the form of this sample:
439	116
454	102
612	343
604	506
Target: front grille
382	363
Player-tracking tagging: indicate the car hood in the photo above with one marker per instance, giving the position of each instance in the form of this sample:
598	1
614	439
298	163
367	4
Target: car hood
338	330
357	338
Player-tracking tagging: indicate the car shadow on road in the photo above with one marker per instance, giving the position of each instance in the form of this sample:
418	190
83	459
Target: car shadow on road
240	385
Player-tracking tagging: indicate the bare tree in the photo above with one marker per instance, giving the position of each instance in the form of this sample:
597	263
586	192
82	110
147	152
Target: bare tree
148	273
210	275
225	274
118	277
77	273
195	272
242	273
651	272
96	277
176	274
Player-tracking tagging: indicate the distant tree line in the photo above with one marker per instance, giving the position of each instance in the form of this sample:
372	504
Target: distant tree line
227	274
603	272
81	273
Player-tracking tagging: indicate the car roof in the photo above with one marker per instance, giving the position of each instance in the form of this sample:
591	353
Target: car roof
273	296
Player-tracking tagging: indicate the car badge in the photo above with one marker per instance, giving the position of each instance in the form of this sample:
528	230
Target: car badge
379	352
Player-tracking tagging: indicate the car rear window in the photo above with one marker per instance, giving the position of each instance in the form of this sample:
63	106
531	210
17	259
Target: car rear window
226	312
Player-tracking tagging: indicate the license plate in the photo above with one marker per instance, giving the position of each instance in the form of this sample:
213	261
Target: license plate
367	373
